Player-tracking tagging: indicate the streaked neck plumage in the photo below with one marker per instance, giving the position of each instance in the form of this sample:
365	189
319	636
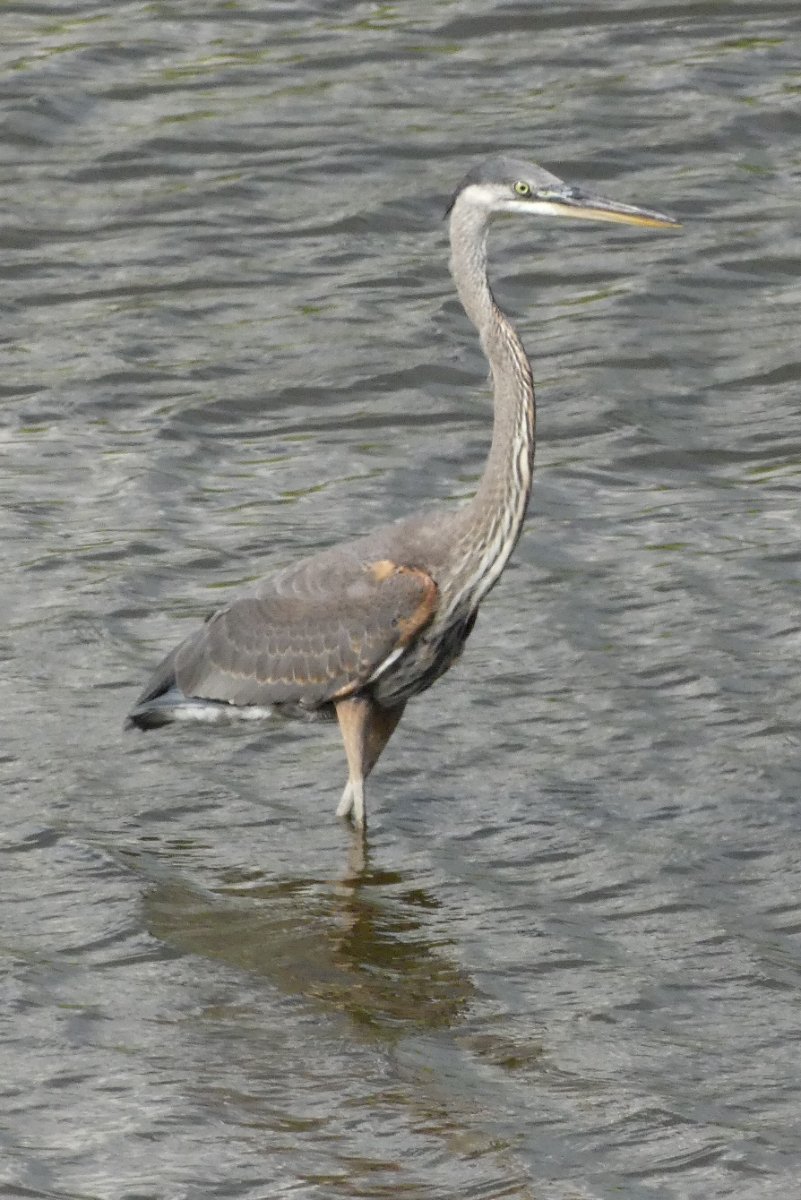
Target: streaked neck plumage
491	523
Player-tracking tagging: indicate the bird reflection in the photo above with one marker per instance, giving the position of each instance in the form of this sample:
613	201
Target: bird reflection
362	943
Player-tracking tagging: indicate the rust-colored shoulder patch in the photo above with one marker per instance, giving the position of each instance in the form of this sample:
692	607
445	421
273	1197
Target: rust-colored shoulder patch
427	606
398	603
412	622
382	569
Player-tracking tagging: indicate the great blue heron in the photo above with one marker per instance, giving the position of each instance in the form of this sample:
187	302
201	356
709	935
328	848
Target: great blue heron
355	631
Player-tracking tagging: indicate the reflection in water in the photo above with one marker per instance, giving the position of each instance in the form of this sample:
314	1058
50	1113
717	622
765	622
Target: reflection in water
359	944
362	945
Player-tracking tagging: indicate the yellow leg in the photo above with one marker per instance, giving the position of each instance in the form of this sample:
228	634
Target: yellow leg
366	729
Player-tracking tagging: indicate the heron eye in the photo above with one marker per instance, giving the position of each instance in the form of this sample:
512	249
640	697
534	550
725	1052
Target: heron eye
522	188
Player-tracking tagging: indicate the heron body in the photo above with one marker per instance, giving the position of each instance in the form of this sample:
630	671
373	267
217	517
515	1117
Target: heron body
357	630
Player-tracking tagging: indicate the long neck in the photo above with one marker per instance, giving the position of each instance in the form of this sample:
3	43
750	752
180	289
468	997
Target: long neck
493	519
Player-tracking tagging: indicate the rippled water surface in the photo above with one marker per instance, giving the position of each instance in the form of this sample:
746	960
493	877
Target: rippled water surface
567	964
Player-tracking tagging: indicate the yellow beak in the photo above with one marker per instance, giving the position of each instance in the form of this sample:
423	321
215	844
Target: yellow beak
573	202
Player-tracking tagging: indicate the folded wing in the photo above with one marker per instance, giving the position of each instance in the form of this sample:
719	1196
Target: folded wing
311	635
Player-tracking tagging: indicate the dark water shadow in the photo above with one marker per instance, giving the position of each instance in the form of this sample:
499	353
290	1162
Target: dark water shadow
359	944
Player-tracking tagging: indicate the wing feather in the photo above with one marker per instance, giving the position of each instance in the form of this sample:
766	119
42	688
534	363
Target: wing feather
309	635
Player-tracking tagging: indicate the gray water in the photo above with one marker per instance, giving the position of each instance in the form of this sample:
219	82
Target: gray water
568	962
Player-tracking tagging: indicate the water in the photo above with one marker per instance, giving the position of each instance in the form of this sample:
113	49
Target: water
568	964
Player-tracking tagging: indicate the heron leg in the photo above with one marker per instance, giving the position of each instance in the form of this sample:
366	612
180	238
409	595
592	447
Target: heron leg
352	801
346	803
366	728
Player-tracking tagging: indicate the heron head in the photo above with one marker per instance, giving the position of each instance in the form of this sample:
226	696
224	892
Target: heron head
511	185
